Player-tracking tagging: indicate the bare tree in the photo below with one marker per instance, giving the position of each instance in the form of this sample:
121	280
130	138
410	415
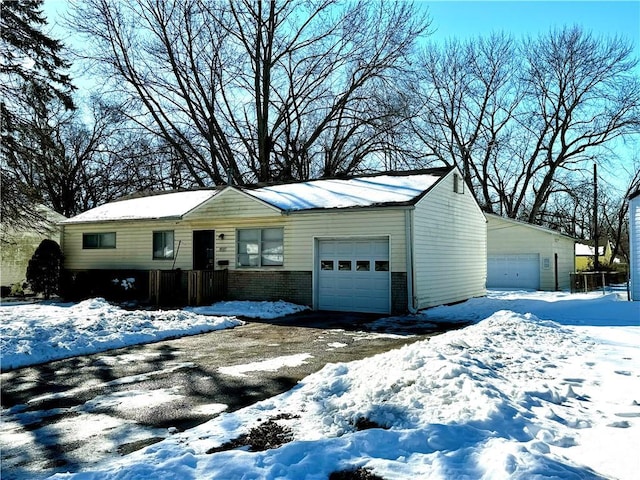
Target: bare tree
254	90
517	117
72	161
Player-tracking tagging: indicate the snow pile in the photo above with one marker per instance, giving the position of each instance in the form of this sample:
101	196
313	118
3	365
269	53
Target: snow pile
593	309
37	333
264	310
512	396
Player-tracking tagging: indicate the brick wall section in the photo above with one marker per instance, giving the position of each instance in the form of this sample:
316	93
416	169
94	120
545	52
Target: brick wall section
398	292
294	287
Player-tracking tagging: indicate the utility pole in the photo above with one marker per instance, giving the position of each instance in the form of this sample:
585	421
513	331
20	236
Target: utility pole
596	259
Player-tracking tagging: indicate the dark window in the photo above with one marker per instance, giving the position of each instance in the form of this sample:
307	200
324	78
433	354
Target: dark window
326	264
363	265
382	266
98	240
344	265
163	245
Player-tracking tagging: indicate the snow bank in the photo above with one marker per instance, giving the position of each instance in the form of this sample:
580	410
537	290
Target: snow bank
264	310
37	333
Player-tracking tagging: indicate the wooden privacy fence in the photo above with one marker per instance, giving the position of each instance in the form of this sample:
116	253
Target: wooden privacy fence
206	286
191	287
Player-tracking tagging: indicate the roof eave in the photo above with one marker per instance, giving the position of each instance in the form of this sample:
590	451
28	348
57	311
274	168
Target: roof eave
122	220
378	206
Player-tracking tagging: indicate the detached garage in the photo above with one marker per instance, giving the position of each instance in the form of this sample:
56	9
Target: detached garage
529	257
384	243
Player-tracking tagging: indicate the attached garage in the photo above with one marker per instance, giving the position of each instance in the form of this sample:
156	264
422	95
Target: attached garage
514	271
353	275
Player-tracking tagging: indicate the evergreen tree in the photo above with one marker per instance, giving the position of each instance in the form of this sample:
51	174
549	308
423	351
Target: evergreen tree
45	267
31	66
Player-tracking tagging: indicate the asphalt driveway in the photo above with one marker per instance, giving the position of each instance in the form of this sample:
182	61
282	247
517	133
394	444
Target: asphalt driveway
71	414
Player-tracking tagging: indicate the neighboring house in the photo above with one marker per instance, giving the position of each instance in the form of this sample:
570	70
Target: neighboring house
17	246
521	255
585	255
634	245
383	243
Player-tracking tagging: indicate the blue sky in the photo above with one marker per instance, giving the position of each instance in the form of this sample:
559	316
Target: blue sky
465	19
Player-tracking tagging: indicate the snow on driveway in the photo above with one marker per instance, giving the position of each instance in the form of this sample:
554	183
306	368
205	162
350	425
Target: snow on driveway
543	385
39	333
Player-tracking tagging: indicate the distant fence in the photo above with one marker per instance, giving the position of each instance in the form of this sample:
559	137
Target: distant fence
590	281
191	287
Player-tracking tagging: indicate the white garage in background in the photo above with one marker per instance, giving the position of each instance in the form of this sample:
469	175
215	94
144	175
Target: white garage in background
353	275
525	256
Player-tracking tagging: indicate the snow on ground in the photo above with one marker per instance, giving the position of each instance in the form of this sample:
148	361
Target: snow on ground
542	385
264	310
38	333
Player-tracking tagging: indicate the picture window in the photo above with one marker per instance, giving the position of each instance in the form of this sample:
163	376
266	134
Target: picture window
260	247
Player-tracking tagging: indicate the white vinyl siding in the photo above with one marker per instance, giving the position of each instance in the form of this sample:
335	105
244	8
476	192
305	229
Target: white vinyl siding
508	237
449	246
634	243
134	247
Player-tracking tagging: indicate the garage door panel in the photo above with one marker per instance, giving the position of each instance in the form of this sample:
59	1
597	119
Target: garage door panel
348	277
514	271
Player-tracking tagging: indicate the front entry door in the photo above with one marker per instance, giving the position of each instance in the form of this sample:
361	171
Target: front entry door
203	248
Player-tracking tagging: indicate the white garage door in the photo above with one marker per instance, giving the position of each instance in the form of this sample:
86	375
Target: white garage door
514	271
353	275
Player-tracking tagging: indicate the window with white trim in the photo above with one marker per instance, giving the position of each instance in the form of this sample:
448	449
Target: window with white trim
98	240
260	247
163	245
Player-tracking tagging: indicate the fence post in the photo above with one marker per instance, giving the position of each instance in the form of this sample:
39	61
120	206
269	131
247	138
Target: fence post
154	286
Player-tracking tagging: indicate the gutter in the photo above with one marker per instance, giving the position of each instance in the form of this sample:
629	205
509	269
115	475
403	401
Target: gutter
408	235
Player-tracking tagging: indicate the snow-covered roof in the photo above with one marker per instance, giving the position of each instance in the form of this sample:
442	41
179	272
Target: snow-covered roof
366	191
345	193
161	206
582	249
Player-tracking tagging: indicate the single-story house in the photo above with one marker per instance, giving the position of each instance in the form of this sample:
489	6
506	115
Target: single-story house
525	256
19	245
585	255
391	242
634	245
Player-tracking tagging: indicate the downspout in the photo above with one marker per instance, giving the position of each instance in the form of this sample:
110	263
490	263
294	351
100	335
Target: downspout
408	236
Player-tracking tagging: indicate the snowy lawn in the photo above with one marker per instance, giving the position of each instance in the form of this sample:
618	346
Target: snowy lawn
543	385
38	333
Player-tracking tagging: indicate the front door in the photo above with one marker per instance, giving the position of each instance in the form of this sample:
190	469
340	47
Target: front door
203	248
